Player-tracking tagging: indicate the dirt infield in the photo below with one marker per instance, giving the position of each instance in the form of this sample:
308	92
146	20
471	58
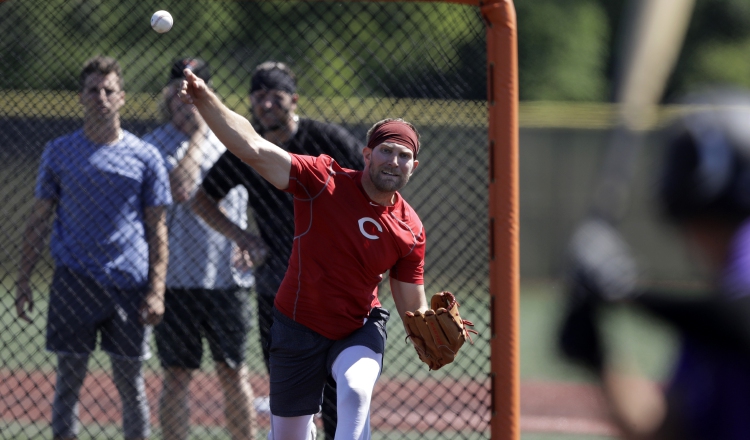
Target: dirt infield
545	406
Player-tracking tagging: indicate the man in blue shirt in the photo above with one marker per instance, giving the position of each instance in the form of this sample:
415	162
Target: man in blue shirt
106	190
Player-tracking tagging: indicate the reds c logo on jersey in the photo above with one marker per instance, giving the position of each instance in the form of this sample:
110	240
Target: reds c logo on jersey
362	222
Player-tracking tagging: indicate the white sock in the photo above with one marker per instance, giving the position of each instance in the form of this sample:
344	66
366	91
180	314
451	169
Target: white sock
355	370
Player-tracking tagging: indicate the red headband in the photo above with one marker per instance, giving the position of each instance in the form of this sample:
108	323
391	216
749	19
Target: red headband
396	132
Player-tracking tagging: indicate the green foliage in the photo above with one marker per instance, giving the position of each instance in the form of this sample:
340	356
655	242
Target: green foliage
716	47
718	62
567	48
325	43
328	40
563	49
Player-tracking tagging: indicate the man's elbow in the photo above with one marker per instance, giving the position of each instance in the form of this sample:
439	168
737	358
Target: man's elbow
201	204
180	195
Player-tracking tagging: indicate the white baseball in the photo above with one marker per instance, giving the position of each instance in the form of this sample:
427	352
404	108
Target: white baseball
161	21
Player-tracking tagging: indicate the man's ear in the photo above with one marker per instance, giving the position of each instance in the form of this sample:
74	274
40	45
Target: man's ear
416	164
295	98
122	99
366	153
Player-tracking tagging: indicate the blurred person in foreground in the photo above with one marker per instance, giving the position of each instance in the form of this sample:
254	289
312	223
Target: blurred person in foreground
107	191
208	277
704	190
273	97
350	227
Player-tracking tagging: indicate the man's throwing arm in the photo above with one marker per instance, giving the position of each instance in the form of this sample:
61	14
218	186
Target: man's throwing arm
237	134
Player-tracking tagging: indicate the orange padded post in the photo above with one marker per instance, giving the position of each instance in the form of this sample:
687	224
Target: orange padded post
502	88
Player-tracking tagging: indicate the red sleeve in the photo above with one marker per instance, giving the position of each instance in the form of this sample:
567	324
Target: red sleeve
410	269
308	174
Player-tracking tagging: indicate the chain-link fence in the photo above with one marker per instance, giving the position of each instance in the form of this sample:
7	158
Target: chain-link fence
355	63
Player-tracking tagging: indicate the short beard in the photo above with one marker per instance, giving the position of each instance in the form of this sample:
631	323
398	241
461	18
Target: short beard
387	186
260	128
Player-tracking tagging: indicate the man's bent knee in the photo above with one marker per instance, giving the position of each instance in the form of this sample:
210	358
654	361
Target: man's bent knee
177	377
301	427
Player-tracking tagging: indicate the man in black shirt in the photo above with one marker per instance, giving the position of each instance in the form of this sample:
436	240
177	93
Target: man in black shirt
273	95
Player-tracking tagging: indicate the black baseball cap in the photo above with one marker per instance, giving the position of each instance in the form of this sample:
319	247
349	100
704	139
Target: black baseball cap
706	170
273	75
197	65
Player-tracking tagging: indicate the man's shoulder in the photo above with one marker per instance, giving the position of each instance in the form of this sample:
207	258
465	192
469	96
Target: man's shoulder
161	133
307	160
144	151
317	128
322	164
66	147
322	160
404	212
314	124
139	144
331	139
73	138
166	138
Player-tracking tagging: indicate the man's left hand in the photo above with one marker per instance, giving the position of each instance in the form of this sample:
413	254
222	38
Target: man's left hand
152	310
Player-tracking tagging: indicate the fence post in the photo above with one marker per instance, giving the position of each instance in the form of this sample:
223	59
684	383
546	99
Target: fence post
502	99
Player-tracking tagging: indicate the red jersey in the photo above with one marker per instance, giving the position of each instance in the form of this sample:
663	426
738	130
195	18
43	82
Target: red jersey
343	244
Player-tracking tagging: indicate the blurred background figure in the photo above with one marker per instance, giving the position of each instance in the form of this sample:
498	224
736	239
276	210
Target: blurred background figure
106	190
208	277
273	97
703	190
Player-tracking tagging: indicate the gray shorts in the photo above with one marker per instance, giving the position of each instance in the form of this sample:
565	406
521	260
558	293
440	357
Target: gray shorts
80	308
222	317
301	360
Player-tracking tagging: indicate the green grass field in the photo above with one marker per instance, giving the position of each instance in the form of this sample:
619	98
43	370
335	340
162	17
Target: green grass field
632	337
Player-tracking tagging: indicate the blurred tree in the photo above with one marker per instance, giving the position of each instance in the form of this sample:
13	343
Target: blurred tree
45	42
566	47
716	48
322	41
563	50
326	40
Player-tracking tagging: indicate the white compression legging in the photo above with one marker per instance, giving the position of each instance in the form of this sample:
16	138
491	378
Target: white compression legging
355	371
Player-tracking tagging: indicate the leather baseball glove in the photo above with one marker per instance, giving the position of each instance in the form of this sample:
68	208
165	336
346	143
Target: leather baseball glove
438	333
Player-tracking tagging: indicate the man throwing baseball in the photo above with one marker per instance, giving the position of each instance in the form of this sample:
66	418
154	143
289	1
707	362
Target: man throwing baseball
350	228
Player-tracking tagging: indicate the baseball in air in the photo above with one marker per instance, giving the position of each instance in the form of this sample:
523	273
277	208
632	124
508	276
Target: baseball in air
161	21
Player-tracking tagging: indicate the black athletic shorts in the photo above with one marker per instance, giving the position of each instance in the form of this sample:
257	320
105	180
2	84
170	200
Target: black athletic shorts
80	309
301	360
220	316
